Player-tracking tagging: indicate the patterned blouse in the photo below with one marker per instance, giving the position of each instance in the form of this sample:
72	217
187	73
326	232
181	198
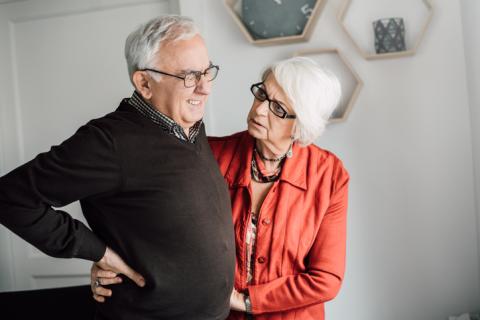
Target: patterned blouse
250	241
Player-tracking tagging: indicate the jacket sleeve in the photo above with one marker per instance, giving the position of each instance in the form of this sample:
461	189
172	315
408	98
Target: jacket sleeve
82	166
323	277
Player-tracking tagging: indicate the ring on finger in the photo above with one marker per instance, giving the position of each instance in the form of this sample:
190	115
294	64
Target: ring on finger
97	283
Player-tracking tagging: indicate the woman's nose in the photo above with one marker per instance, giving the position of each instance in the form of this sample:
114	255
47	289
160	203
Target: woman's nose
262	108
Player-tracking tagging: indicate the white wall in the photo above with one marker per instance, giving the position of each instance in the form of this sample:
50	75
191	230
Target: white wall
412	247
471	25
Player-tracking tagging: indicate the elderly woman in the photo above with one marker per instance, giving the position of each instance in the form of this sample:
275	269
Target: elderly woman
289	198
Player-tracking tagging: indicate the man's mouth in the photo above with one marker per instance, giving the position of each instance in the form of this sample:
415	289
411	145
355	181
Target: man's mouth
193	102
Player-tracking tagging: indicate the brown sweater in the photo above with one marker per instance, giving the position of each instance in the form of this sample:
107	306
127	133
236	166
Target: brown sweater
160	203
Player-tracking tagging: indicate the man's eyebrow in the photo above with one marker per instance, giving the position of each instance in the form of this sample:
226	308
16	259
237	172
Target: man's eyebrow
190	70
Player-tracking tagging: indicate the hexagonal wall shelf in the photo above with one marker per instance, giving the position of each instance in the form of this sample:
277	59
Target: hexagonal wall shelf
350	81
371	55
287	21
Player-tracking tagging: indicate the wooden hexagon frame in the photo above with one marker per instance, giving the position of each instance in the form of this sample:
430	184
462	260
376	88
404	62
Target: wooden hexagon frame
371	56
358	86
305	36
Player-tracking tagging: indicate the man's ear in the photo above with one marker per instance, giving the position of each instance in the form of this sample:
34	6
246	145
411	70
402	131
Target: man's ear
142	84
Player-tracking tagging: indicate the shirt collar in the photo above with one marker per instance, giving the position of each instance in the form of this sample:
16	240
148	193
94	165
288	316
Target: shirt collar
294	169
167	123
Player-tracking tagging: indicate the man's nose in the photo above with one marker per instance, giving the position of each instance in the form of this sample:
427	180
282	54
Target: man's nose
203	86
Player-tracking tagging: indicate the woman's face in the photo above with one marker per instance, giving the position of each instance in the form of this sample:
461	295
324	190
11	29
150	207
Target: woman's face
270	130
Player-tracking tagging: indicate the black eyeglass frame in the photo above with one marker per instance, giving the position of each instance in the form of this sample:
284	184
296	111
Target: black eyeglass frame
270	102
198	74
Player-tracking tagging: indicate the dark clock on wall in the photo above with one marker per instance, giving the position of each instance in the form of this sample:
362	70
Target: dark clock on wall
265	19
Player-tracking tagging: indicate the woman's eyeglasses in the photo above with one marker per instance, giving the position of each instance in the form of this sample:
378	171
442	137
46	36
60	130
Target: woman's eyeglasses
275	107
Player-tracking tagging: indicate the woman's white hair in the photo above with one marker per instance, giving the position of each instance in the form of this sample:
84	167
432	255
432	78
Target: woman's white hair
143	44
313	91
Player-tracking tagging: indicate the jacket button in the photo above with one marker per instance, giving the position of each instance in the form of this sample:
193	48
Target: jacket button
261	259
266	221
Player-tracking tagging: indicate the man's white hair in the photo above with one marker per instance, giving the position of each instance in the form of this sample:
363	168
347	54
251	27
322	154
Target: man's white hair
314	92
143	44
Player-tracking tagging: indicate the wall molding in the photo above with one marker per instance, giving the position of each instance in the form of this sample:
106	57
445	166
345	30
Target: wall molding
89	9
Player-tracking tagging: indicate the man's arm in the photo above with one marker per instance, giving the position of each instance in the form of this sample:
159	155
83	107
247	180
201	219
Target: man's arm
84	165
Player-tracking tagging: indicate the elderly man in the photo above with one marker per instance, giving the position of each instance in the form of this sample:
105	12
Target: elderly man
148	185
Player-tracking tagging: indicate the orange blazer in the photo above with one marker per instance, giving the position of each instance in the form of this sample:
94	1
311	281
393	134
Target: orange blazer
301	233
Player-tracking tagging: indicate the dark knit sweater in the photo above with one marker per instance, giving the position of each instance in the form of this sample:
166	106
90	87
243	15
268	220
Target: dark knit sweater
159	202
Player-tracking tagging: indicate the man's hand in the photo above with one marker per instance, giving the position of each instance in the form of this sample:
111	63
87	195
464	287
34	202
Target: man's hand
237	301
105	271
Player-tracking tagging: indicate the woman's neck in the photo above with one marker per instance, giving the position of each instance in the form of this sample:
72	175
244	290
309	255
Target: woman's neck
266	152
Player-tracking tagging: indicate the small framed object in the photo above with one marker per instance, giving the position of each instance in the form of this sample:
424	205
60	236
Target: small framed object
351	84
389	29
268	22
389	35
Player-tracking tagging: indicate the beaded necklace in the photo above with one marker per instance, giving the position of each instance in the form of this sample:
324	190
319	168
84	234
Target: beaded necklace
258	171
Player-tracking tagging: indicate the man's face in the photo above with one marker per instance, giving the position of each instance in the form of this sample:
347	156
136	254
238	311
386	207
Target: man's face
169	95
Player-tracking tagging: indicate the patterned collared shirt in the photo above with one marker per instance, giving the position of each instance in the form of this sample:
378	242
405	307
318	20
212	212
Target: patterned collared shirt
168	124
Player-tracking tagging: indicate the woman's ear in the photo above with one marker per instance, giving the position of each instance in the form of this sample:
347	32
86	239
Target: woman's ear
294	127
142	84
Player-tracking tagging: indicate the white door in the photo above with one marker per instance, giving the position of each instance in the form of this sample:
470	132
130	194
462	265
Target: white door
61	64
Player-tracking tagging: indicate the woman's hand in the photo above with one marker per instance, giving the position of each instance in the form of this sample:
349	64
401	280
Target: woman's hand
237	301
105	272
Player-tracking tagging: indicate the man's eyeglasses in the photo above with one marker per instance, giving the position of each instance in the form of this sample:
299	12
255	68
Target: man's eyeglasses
192	78
275	107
